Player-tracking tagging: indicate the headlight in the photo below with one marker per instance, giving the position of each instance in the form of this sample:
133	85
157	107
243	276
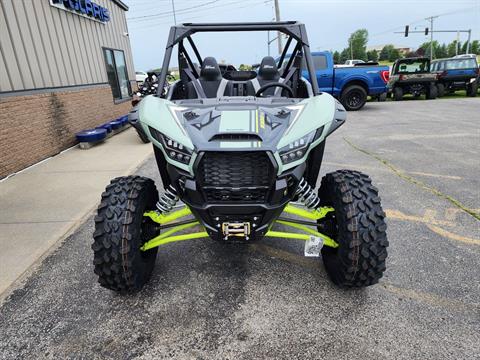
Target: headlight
174	149
298	148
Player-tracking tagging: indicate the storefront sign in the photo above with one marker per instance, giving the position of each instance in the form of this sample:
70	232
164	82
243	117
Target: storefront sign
85	8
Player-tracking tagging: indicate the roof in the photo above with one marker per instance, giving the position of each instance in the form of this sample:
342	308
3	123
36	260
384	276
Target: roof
121	4
292	28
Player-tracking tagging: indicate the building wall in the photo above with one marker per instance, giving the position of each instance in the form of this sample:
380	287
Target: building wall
42	46
39	125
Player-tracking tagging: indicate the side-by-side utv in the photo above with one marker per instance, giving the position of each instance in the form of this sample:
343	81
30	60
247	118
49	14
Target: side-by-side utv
239	156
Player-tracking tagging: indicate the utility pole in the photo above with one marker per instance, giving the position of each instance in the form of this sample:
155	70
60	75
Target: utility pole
458	41
279	34
431	35
468	41
174	15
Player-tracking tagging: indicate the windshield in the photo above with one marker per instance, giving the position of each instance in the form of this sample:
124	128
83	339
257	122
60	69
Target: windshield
413	66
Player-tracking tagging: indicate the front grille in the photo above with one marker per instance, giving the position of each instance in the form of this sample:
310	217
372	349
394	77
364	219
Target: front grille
235	176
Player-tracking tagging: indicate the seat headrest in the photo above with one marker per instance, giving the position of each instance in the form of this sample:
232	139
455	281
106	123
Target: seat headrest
268	68
210	70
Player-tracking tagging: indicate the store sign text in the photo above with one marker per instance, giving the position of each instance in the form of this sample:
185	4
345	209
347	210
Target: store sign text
84	7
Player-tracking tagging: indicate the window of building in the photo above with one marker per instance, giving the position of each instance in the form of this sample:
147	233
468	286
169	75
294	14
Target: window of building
117	73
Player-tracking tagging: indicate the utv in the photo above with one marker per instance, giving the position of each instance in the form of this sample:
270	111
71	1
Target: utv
412	76
234	153
457	74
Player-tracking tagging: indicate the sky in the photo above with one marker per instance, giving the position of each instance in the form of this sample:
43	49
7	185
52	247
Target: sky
329	24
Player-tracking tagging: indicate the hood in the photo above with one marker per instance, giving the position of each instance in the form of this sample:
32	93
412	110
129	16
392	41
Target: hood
234	128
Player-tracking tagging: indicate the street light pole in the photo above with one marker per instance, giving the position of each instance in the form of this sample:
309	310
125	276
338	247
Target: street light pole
277	18
174	15
431	35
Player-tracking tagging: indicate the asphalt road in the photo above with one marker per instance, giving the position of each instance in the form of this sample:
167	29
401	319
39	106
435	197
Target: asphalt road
214	301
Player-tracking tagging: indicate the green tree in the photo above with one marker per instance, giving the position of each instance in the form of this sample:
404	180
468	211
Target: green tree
475	47
344	55
336	57
452	48
372	55
385	53
244	67
426	48
442	52
357	43
394	55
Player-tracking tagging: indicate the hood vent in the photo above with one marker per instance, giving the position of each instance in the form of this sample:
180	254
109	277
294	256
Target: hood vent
236	137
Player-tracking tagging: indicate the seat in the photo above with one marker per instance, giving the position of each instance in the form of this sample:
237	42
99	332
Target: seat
267	73
210	84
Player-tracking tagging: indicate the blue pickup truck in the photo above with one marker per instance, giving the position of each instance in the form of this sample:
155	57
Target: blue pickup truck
351	85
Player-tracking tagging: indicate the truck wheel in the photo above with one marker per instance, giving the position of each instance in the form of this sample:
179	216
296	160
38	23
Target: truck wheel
440	90
472	89
397	94
353	97
120	231
382	97
357	225
431	92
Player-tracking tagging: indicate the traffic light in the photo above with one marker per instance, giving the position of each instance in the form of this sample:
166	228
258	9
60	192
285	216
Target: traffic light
426	31
406	30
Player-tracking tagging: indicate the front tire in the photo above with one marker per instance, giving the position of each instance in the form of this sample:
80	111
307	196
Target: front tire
397	94
358	226
440	90
353	97
472	89
120	231
431	92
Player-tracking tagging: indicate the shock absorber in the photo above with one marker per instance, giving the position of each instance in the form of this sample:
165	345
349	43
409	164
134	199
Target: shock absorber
168	200
307	195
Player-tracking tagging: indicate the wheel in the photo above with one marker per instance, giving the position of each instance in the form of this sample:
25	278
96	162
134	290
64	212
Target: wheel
142	135
431	92
357	225
120	231
382	97
440	90
353	97
472	89
397	94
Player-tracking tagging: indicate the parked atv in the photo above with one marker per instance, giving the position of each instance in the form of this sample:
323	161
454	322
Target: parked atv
234	156
457	74
412	76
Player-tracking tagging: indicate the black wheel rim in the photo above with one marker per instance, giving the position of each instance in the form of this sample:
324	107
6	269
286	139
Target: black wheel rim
355	99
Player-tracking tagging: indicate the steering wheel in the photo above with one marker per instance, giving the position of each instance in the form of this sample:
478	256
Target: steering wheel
274	84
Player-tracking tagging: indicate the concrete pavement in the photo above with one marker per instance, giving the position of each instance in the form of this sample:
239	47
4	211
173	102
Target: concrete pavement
265	300
48	201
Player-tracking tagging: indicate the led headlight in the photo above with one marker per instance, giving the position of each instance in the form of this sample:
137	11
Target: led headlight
174	149
298	148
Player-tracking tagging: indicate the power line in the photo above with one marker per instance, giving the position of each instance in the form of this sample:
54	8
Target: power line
172	12
248	2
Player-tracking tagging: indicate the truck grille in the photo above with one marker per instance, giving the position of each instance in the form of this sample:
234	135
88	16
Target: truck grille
235	176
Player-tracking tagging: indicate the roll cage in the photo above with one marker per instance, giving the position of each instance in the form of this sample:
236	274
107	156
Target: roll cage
181	33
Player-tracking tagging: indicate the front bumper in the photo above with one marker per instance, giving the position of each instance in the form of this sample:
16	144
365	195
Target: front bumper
214	214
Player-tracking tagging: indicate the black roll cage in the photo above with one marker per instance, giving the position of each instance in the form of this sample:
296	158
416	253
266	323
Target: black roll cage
293	29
